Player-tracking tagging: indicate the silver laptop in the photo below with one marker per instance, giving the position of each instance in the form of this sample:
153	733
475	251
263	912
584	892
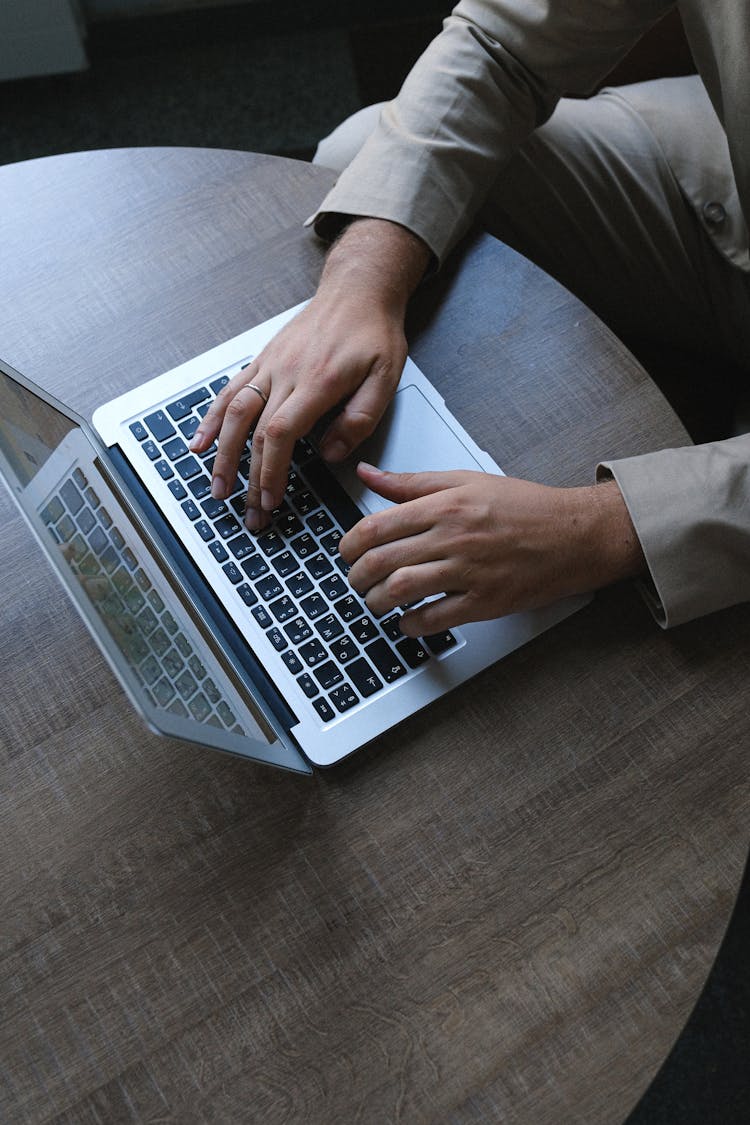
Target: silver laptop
251	643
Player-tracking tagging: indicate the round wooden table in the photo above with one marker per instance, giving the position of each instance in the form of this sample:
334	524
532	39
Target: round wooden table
503	911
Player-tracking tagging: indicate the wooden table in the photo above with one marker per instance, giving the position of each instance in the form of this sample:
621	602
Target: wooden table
502	912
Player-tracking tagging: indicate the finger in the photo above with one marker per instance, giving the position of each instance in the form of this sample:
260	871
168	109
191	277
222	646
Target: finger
211	424
410	584
239	418
399	487
273	446
359	416
444	613
393	525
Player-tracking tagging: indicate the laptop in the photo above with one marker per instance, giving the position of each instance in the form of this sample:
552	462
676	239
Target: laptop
249	643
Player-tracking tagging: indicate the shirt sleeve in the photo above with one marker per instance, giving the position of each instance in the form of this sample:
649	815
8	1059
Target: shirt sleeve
691	512
492	76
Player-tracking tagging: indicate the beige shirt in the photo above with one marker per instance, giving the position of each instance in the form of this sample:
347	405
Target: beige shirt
494	75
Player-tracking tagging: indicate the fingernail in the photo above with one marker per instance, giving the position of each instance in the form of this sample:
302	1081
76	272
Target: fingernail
252	519
197	438
335	450
266	500
218	488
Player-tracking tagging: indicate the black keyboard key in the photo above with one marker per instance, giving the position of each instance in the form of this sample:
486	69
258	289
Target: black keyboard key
363	677
175	448
116	537
219	384
160	426
182	407
200	486
190	509
319	523
104	517
203	409
344	698
269	587
186	468
287	524
307	683
324	709
328	675
330	542
255	567
338	502
293	484
205	531
219	551
292	661
226	527
80	478
344	649
151	449
304	546
262	616
72	497
304	502
298	630
334	587
363	630
329	627
247	593
177	489
242	546
412	651
233	573
270	543
283	608
343	565
299	585
189	426
277	638
313	653
391	628
440	642
303	451
92	498
285	564
164	470
319	566
314	605
214	508
348	608
385	660
139	431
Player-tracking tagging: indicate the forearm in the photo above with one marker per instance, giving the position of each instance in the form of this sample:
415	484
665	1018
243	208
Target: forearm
375	260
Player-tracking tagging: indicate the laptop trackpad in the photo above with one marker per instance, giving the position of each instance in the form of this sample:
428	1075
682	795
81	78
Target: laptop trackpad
412	437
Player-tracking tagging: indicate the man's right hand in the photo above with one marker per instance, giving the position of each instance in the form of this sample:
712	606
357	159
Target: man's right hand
345	349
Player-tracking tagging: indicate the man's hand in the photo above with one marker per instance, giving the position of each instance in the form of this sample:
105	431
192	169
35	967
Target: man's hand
491	545
345	350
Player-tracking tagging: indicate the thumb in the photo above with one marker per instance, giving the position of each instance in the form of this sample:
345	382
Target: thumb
400	487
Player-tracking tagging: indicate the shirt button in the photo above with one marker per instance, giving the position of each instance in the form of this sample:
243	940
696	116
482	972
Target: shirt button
714	213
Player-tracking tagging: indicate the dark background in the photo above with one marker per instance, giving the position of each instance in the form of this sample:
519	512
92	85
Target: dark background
275	77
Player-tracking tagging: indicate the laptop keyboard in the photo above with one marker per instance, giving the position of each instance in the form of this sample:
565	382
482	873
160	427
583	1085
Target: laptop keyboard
157	650
289	577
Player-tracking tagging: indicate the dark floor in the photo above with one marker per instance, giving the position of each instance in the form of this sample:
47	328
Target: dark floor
237	78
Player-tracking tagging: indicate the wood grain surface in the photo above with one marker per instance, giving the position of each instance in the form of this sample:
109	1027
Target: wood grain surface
503	911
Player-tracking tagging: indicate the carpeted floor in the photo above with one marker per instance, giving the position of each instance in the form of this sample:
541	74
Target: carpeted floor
238	78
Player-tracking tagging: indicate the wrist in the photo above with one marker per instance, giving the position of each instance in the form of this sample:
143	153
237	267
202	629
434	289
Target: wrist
610	541
378	260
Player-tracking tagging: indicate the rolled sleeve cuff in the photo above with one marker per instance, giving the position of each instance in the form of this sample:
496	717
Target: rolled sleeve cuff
691	511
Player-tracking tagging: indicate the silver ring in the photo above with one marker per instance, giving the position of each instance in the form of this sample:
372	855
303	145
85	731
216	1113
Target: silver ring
258	391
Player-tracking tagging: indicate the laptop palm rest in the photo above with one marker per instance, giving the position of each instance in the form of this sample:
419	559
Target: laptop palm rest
412	437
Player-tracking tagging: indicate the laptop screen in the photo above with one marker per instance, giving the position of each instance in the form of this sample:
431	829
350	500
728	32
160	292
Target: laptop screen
152	642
